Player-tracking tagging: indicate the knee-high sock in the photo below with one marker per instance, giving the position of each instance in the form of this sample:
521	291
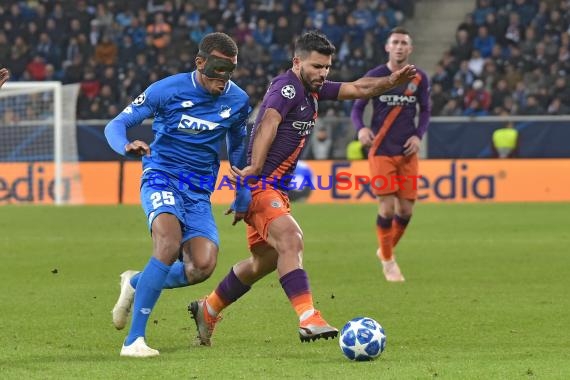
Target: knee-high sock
399	227
385	237
296	286
227	292
176	277
149	287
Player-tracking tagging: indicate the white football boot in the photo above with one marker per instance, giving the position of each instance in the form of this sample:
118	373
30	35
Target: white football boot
138	349
391	269
123	306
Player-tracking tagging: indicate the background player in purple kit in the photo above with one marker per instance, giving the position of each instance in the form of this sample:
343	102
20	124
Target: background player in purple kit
286	118
394	142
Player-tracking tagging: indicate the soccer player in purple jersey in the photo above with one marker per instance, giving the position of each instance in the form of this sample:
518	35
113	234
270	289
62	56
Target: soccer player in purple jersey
285	121
394	142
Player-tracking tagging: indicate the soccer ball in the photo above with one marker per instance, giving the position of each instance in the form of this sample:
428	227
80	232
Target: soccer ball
362	339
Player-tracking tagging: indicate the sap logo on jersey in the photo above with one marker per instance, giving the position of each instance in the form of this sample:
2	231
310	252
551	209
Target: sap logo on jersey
193	125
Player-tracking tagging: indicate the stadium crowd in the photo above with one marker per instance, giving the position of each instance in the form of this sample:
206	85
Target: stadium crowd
510	56
115	49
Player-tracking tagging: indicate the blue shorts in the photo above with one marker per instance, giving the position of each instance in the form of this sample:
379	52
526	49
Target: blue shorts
160	193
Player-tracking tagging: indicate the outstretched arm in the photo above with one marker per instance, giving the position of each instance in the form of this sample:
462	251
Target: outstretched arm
368	87
4	76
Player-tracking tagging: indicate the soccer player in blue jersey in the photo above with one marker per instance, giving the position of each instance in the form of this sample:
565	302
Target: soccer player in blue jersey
285	121
394	142
192	113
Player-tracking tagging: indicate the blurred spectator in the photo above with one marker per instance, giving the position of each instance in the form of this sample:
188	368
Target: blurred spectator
451	108
478	96
531	106
321	144
4	47
484	42
468	26
505	142
494	28
319	15
212	14
499	94
515	29
251	52
48	50
526	10
509	107
36	69
561	89
159	32
90	85
463	47
200	31
263	34
441	76
556	107
191	15
482	10
333	31
465	74
438	99
476	62
527	46
241	32
106	51
137	33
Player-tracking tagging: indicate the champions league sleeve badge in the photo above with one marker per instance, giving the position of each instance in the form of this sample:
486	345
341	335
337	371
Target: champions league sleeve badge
139	99
288	91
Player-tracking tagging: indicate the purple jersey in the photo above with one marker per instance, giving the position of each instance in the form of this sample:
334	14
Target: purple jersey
298	108
396	108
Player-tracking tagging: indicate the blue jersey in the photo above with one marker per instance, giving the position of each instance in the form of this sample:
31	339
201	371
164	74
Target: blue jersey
189	125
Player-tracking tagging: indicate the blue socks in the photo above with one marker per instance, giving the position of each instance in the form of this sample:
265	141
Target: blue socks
148	289
176	277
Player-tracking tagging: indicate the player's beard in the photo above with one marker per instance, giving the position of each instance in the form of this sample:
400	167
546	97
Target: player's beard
308	83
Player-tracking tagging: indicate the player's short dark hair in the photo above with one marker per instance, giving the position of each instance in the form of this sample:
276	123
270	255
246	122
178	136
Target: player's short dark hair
314	41
220	42
399	30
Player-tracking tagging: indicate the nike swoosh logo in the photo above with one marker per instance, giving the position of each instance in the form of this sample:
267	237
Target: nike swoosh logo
303	108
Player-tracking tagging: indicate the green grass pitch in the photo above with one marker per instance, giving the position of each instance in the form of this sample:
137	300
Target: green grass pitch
487	297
